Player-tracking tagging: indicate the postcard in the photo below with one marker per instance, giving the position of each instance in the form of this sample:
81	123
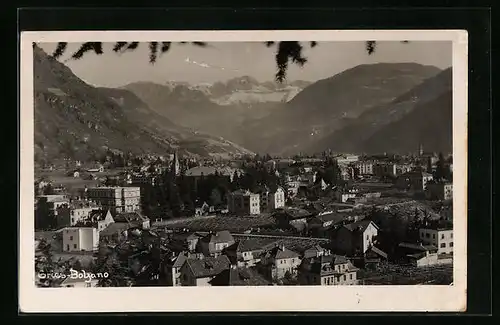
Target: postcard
267	171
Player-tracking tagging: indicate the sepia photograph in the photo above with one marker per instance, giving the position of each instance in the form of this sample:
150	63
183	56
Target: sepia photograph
263	166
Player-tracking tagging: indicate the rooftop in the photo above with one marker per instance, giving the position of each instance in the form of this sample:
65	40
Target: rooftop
239	277
208	266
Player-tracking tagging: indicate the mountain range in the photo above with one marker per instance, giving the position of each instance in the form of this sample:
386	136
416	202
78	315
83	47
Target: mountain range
79	121
339	113
384	107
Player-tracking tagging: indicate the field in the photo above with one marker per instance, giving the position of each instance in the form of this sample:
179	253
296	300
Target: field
297	244
407	275
218	223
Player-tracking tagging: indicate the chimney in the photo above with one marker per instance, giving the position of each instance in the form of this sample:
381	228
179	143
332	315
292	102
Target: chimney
282	247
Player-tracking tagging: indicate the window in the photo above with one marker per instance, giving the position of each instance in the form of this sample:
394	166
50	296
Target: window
70	237
74	246
427	235
422	234
451	244
345	277
433	236
350	276
443	245
442	236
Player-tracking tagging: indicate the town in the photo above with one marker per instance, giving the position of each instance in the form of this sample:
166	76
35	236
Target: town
330	219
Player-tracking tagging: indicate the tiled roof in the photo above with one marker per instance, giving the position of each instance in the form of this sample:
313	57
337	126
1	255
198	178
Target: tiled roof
218	237
359	225
208	266
129	217
325	264
418	247
281	252
180	260
114	228
333	216
98	215
239	277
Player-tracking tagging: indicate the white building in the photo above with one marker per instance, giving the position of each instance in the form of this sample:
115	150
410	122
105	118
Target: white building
243	202
439	191
271	199
76	239
364	167
116	199
442	238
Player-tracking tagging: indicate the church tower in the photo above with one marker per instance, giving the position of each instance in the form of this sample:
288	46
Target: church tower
175	167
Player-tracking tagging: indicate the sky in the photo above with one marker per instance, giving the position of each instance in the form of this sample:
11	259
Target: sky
225	60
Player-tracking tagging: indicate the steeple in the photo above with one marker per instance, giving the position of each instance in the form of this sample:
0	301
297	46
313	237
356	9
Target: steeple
421	150
175	167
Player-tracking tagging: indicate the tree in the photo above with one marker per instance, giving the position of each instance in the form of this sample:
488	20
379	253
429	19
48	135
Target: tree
429	165
441	172
287	51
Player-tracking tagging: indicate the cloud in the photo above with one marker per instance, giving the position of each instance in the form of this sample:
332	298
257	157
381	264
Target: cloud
206	65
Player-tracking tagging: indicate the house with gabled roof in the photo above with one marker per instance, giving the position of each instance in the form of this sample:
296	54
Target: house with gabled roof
327	270
215	242
199	272
134	219
356	237
172	265
245	252
280	262
236	276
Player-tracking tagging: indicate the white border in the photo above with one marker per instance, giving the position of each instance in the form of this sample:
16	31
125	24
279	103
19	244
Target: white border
295	299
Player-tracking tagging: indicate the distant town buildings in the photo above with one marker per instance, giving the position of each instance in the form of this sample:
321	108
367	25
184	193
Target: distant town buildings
244	202
116	199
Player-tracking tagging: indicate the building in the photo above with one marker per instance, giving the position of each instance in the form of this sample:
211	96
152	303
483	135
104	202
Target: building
116	199
355	238
133	219
199	272
244	253
439	191
76	211
347	160
271	199
384	169
416	180
243	202
76	239
197	173
280	262
100	219
343	195
172	268
235	276
214	243
441	237
364	167
327	270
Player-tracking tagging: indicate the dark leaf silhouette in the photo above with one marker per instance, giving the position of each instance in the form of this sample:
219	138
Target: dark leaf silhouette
165	46
287	51
119	46
370	46
132	46
59	51
153	50
86	47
